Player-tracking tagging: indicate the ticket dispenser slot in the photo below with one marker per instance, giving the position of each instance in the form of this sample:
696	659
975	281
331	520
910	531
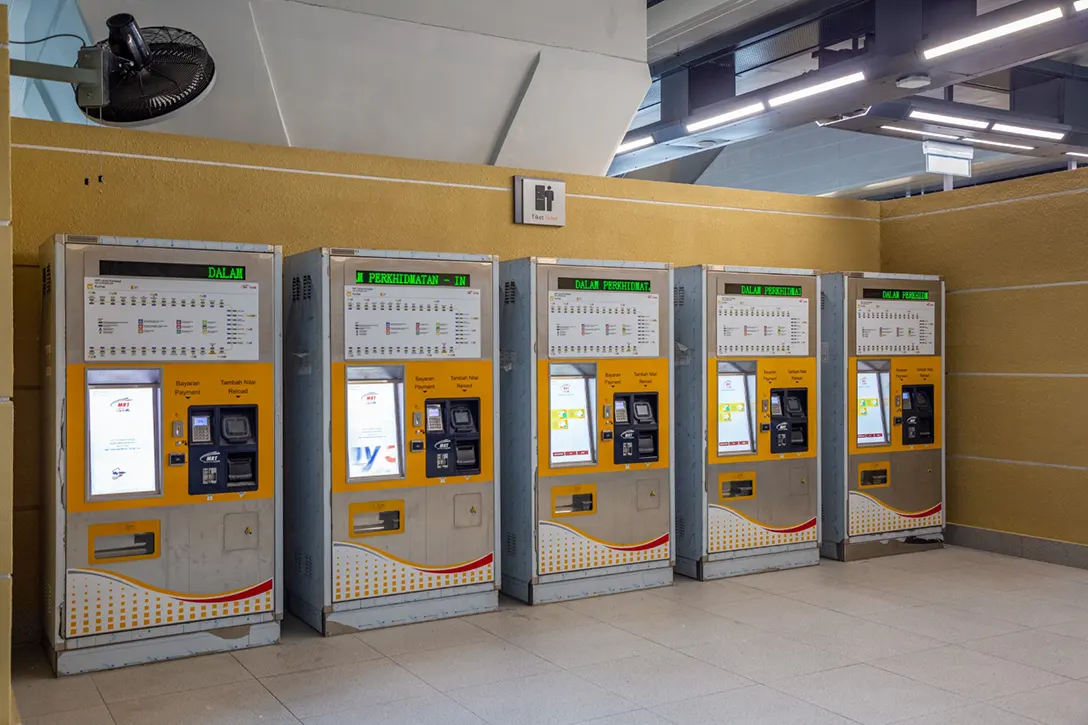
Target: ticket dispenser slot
789	420
112	543
918	413
453	437
222	449
636	427
124	546
376	518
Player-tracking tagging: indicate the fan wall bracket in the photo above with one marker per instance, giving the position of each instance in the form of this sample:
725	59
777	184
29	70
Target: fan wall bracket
88	76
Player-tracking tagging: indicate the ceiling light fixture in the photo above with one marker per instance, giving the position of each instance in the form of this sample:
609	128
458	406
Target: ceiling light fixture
636	143
1080	5
899	129
1074	153
726	117
950	120
1000	144
818	88
993	33
1025	131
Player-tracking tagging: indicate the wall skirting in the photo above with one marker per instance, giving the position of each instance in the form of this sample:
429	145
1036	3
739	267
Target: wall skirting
1027	547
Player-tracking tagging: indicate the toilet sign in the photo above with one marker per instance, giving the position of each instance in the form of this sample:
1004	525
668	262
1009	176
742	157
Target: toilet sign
540	201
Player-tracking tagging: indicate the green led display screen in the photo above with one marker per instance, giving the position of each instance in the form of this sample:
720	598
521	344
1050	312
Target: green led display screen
604	285
130	268
764	290
226	272
413	279
915	295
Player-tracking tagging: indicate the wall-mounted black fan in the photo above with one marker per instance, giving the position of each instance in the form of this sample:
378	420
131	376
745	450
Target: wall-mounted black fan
150	72
136	75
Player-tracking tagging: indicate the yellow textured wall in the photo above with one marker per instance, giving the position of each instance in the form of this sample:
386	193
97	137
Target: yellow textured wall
178	187
1016	265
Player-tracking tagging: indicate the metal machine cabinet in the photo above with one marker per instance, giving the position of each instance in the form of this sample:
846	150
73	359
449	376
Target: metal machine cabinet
883	415
161	431
587	427
391	412
747	474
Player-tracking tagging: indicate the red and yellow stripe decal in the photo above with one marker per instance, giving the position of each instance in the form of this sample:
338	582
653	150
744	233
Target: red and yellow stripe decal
450	569
797	528
234	596
908	514
641	546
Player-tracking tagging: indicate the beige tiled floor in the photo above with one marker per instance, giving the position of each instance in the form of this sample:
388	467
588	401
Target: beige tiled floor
952	637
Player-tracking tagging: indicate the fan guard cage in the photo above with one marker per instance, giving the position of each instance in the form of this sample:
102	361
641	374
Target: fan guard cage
179	70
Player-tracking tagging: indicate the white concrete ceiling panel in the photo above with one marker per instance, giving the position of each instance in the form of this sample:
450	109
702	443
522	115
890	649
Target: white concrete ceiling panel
447	81
242	105
608	27
574	112
675	25
814	160
362	83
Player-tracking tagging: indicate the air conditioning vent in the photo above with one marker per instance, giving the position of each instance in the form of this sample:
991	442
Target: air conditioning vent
47	280
307	287
678	295
296	289
509	293
681	528
511	542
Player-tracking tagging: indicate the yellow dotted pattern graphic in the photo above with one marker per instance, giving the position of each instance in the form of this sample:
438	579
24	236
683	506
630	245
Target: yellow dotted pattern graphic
360	572
729	531
562	549
98	603
870	517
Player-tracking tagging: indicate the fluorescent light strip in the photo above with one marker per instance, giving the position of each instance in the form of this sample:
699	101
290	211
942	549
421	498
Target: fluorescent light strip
1024	131
994	33
726	117
633	144
818	88
920	133
1080	5
950	120
1000	144
1074	153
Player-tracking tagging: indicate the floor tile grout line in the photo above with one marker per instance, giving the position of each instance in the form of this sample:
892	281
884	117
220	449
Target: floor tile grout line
109	705
266	689
944	689
381	656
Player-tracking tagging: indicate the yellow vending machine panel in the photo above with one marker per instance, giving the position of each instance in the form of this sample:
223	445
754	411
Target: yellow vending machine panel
162	427
747	480
883	386
586	427
390	420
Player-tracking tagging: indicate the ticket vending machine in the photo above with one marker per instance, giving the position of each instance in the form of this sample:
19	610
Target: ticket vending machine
161	427
390	421
883	414
586	427
747	477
